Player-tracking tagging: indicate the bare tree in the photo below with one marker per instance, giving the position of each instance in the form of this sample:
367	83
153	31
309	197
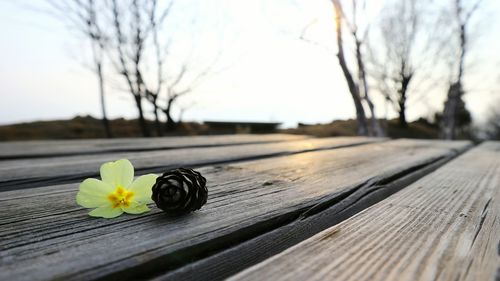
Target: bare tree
83	16
143	47
156	19
127	51
359	41
456	91
395	63
353	87
358	88
172	94
181	85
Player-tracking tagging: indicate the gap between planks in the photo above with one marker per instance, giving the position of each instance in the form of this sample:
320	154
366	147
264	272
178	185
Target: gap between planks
328	212
57	148
239	207
19	174
445	226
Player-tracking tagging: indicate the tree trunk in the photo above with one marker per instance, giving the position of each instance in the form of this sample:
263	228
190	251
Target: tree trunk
105	121
377	129
360	116
159	131
353	88
402	115
448	124
455	92
405	81
170	124
142	121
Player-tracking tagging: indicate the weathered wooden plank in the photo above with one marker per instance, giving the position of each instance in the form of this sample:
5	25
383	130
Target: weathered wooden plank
445	226
53	148
328	212
21	173
54	238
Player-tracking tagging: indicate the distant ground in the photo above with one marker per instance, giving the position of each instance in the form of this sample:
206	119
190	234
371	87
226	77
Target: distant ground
89	127
420	129
84	127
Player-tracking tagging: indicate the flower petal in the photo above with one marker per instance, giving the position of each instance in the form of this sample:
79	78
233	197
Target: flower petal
118	173
93	193
106	212
136	208
142	188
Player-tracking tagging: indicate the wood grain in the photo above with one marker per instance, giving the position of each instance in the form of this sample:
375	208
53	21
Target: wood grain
54	238
21	173
445	226
323	215
53	148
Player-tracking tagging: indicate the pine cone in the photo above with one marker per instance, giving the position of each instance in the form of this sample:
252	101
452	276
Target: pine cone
180	191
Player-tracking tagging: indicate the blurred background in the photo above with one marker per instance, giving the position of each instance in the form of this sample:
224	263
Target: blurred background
141	68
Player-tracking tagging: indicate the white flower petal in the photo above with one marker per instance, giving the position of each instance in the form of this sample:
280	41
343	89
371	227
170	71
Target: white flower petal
118	173
142	188
93	193
136	208
106	212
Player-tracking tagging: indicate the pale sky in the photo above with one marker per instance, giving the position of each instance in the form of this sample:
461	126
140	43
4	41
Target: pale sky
269	74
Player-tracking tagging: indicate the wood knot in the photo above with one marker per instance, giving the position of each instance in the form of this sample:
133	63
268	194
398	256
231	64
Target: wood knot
330	234
271	182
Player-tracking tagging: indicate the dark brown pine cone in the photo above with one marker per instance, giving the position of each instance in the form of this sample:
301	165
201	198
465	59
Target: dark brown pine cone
180	191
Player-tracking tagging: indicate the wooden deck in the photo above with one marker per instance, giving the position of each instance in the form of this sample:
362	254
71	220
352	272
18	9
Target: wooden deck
280	207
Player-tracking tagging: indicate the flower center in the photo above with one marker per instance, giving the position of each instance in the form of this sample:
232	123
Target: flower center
121	197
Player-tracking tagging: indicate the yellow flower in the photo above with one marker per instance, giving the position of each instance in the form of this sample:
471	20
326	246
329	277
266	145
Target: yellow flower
117	192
